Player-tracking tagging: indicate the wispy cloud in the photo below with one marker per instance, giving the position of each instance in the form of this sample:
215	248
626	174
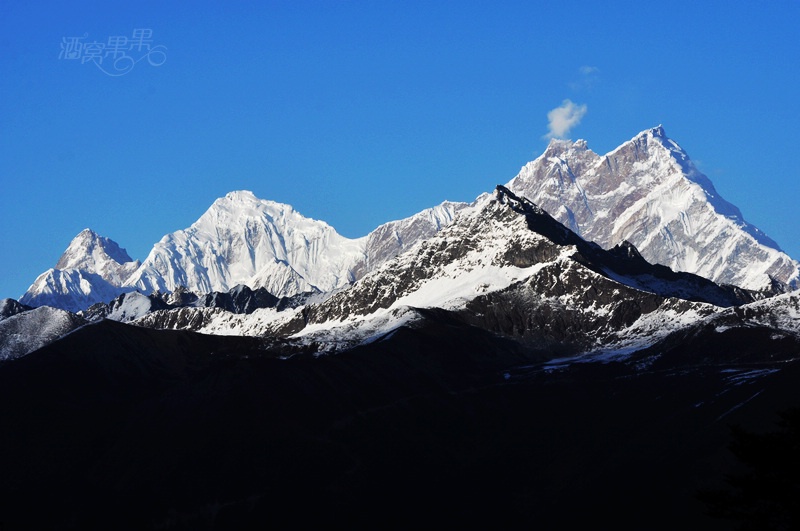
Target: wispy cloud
563	118
588	77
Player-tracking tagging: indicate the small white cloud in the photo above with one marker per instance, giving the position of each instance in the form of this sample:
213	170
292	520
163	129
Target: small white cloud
562	119
588	70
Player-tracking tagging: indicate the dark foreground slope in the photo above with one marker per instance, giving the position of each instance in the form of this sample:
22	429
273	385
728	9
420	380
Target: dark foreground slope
439	423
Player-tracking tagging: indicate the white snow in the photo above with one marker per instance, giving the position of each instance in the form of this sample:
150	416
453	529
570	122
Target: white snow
254	324
242	239
648	191
132	306
92	269
70	289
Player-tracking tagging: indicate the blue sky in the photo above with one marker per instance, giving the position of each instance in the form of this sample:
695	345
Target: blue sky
361	112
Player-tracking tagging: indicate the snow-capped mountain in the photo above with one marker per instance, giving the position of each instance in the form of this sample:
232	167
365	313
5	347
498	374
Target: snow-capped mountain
457	338
239	236
647	191
92	269
505	266
245	240
239	240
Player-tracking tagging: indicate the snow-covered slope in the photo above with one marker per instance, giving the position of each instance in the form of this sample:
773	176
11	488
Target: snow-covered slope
242	239
238	237
25	332
648	192
239	240
70	289
391	239
781	313
91	270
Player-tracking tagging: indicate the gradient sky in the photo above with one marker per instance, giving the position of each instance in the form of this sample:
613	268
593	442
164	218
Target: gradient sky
362	112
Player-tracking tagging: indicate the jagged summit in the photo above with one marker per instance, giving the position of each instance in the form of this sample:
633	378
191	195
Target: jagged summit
241	195
91	252
240	240
647	191
92	269
248	203
559	146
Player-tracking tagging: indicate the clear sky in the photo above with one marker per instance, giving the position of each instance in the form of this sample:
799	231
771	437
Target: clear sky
362	112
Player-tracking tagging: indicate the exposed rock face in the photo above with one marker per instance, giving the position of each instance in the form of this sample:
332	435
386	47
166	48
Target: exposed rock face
214	313
391	239
9	307
508	267
648	192
186	318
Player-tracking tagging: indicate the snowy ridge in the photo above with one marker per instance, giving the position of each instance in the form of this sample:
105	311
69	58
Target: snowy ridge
648	192
502	265
130	306
239	240
781	312
394	237
507	266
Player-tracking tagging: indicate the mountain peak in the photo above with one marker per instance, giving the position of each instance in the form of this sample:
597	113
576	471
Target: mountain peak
649	192
92	269
88	248
655	136
243	204
560	148
241	195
